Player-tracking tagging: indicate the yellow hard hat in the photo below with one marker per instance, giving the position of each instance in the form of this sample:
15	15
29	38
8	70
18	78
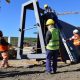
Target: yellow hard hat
45	6
50	22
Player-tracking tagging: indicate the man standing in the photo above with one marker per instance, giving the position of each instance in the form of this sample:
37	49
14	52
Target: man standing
4	51
52	46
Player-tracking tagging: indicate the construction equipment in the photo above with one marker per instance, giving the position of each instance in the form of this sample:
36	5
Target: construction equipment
40	23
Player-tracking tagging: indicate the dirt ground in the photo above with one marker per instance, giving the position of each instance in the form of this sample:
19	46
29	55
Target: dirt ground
23	70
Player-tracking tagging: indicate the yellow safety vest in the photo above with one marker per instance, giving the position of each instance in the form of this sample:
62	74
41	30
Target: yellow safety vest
54	42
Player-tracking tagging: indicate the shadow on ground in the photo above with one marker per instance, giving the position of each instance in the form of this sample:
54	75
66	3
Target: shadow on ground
77	70
17	73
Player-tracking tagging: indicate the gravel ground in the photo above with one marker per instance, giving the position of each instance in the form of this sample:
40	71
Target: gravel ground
64	72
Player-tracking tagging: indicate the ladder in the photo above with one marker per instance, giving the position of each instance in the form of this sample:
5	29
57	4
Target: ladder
68	48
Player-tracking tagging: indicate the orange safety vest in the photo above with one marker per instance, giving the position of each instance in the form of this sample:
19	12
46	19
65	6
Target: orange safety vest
3	44
76	40
3	48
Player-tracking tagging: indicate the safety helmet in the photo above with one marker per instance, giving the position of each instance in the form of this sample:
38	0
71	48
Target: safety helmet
45	6
50	22
75	31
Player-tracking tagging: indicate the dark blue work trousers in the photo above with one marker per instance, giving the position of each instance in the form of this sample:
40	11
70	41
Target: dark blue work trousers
51	60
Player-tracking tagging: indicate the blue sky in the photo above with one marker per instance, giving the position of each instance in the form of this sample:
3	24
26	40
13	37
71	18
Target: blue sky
10	15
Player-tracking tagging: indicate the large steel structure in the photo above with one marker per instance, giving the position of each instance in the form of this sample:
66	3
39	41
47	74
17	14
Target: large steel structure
40	20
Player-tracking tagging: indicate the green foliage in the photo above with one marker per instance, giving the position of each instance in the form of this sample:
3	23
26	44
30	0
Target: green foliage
14	40
31	41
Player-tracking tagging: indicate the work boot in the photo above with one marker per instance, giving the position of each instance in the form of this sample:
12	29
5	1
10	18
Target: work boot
6	65
53	72
49	72
2	64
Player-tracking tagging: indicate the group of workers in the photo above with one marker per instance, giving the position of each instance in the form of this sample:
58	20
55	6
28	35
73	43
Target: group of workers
53	40
52	44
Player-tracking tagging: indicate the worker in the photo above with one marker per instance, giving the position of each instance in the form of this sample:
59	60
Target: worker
52	46
47	8
50	14
3	51
76	40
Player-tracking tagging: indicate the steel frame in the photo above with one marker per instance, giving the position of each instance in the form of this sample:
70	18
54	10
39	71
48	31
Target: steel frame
32	5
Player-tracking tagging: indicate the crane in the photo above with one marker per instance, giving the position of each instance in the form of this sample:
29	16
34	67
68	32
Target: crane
66	13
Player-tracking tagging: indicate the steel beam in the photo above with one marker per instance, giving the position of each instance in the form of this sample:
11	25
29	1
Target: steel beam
21	33
36	56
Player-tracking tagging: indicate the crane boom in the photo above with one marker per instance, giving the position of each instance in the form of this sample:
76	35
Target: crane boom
65	13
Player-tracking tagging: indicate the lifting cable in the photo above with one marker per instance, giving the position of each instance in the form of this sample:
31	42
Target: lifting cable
35	26
27	29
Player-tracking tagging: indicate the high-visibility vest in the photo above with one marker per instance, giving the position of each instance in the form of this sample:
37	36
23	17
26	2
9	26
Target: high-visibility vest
76	41
54	42
3	48
3	45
